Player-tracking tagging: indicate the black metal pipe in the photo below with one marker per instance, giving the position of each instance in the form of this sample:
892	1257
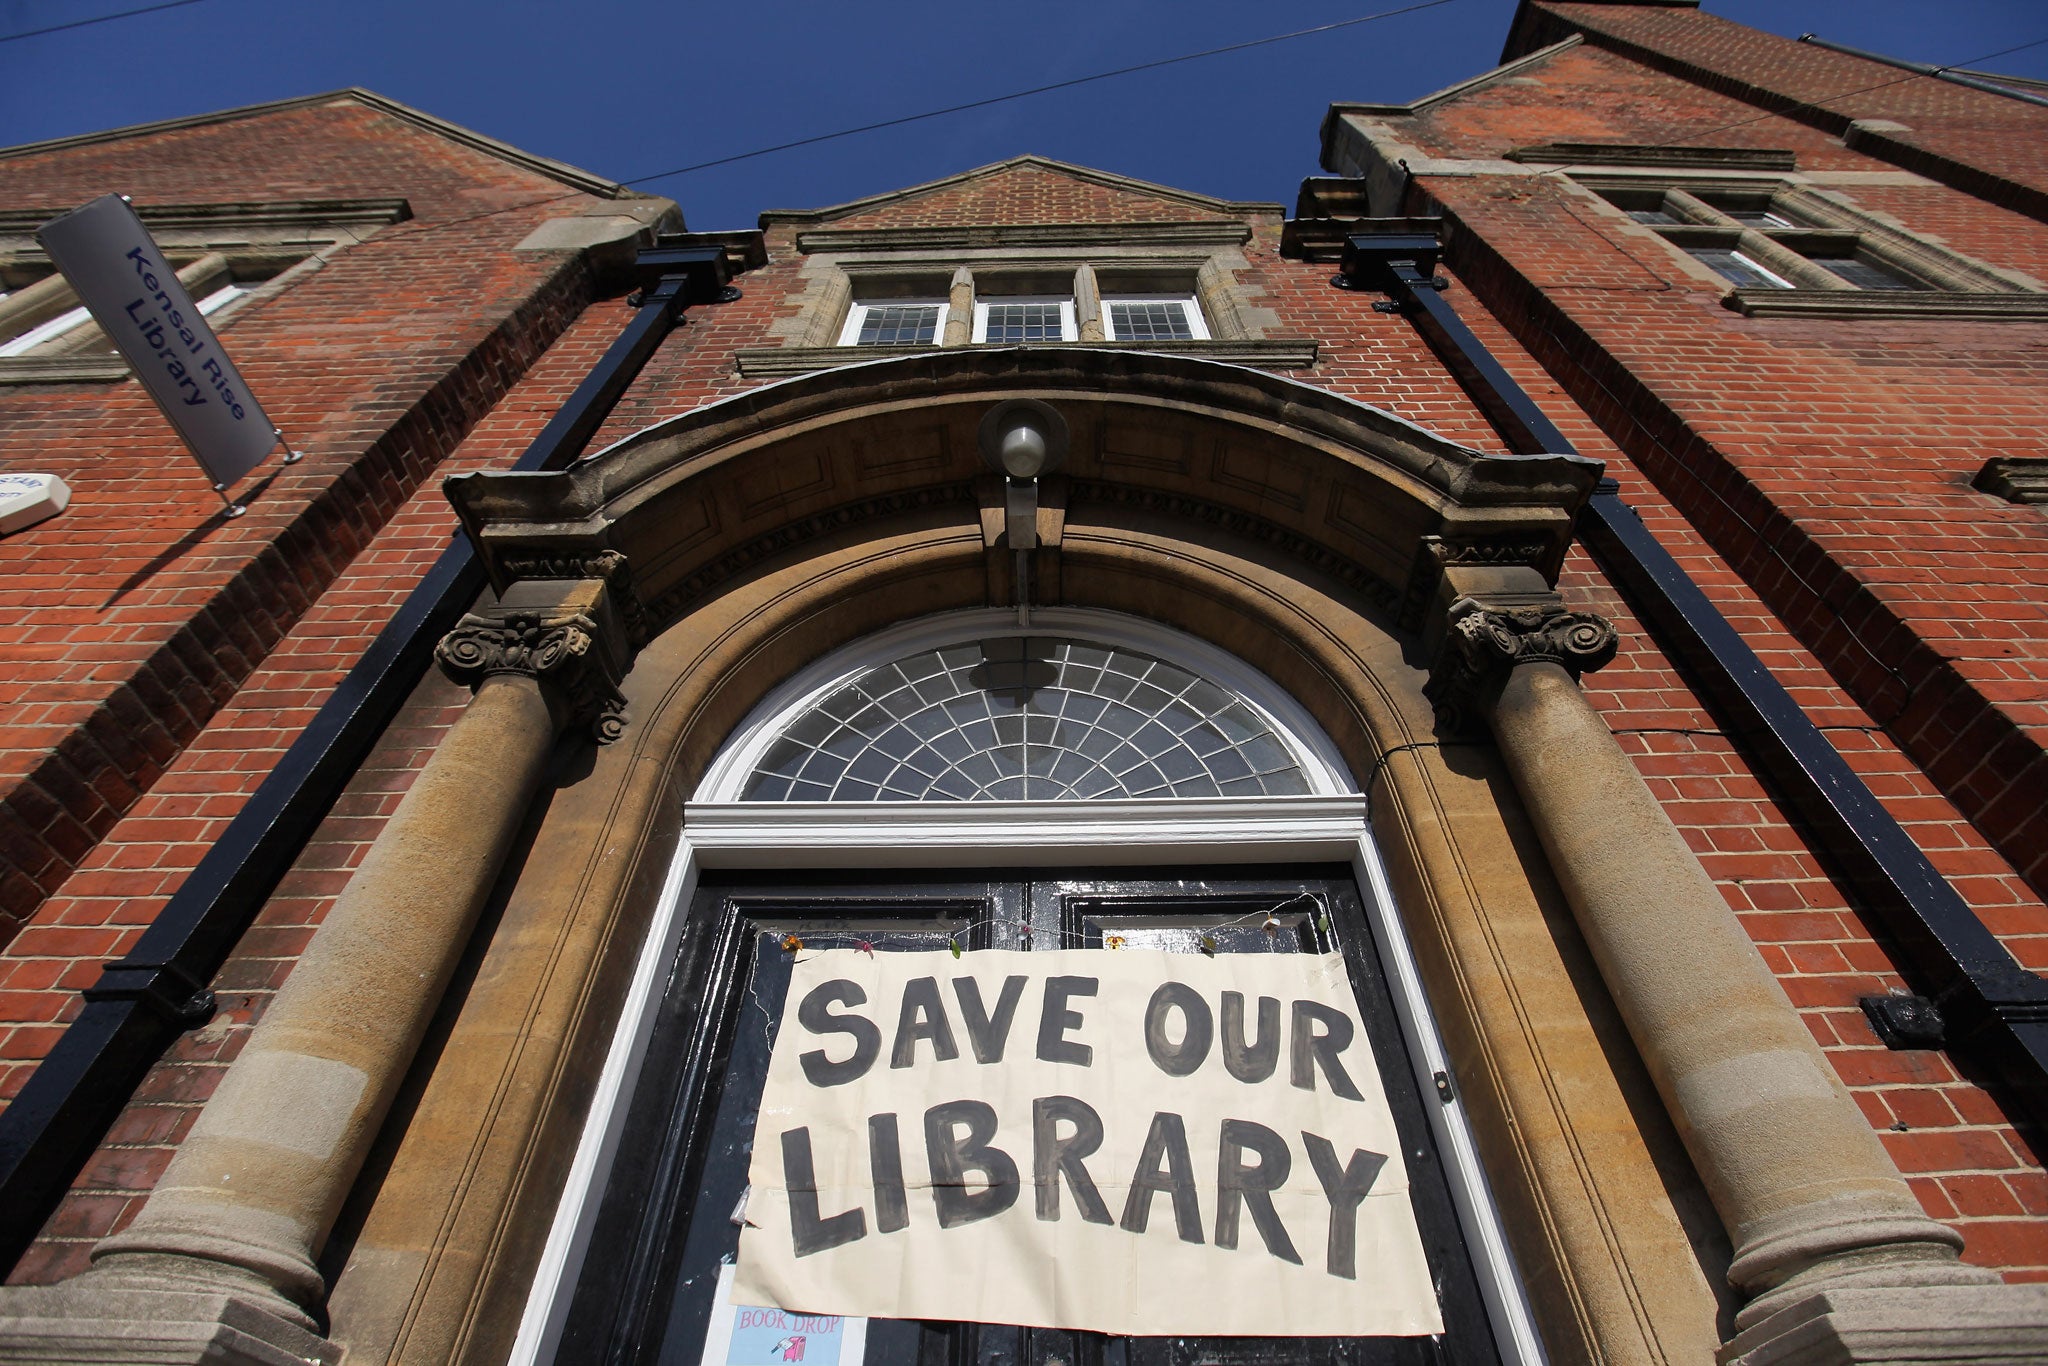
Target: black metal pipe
146	999
1996	1010
1943	73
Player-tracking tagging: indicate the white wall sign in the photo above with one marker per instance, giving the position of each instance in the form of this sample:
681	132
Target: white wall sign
1125	1141
137	299
26	499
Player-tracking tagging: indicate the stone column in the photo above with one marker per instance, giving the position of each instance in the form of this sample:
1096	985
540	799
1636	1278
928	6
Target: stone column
959	309
1812	1202
1087	304
222	1259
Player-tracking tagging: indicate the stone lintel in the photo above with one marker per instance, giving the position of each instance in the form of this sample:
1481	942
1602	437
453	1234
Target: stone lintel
2015	478
1501	570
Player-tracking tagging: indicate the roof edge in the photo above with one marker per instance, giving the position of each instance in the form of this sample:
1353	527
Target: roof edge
1338	109
555	170
1108	179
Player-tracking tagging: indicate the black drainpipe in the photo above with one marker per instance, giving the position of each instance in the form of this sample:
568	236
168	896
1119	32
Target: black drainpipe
145	1000
1984	1003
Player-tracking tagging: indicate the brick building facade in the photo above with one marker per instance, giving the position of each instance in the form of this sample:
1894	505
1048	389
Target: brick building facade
1794	303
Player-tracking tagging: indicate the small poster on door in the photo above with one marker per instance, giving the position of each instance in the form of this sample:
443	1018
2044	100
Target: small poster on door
1127	1142
748	1335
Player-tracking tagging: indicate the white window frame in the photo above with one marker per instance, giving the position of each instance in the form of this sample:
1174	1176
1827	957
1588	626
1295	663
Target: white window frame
1198	326
1817	228
50	337
1777	281
28	342
856	316
25	342
1069	329
721	832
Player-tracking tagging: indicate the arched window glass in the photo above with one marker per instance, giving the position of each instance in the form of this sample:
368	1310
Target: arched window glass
1026	719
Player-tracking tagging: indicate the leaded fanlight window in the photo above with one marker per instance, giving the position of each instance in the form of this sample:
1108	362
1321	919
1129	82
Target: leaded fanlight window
1026	719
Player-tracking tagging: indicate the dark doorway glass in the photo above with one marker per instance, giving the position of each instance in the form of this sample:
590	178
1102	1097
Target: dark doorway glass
671	1212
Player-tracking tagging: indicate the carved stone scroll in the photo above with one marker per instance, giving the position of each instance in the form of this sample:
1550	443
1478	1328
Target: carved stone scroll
564	656
1484	644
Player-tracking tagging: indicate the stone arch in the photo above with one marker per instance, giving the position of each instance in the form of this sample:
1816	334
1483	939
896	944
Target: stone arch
1297	482
1297	529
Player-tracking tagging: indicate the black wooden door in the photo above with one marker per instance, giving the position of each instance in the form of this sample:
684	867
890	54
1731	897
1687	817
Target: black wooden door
671	1213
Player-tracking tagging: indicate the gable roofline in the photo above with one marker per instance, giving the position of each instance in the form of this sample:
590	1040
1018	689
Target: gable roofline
562	171
1472	85
2031	84
1107	179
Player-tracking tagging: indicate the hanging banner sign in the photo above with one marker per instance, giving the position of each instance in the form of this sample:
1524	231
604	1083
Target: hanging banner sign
136	298
1127	1142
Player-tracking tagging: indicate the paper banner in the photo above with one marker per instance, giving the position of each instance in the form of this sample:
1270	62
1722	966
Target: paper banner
1129	1142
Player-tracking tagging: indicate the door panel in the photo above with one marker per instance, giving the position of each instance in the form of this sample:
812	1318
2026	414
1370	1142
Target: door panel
672	1210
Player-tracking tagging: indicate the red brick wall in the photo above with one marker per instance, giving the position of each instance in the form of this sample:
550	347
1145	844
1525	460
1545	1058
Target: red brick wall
1026	194
1814	476
140	610
1968	138
125	880
1829	459
1967	1163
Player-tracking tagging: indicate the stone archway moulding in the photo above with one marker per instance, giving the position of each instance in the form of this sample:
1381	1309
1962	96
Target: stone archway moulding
720	831
658	590
1375	501
707	500
1451	545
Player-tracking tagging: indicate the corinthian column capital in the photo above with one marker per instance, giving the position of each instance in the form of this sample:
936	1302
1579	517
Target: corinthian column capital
1484	644
563	635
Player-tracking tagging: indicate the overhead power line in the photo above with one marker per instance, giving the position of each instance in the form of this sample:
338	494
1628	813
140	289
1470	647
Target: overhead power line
102	19
1035	90
957	108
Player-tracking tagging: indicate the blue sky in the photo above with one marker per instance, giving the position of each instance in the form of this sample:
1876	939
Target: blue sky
628	89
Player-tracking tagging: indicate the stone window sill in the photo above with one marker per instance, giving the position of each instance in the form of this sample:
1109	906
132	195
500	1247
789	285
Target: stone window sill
783	362
2015	478
62	369
1850	303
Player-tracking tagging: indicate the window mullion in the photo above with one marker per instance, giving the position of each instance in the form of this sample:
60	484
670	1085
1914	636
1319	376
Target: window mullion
1916	261
35	304
1087	304
202	275
962	318
1782	260
1890	245
1692	209
88	336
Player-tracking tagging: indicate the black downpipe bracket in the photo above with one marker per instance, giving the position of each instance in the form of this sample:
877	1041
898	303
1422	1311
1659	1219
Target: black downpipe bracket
146	999
1989	1007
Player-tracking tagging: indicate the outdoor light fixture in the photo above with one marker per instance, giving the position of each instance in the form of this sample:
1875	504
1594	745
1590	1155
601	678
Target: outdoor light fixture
1021	439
